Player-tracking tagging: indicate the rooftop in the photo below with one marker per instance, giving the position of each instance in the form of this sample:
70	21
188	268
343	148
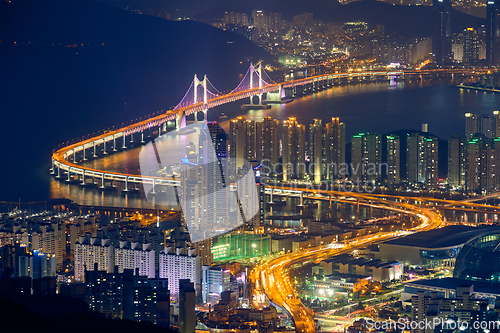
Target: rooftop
453	283
450	236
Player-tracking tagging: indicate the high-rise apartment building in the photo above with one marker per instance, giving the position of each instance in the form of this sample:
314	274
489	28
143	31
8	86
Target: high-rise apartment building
135	256
472	124
496	114
488	126
493	32
103	291
393	159
483	163
366	157
422	154
293	148
187	302
441	39
335	149
274	23
316	150
42	265
457	150
268	144
90	251
50	239
471	46
260	21
177	266
481	124
243	142
204	190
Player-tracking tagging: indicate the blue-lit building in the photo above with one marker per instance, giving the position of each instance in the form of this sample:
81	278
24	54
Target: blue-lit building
479	260
436	248
477	265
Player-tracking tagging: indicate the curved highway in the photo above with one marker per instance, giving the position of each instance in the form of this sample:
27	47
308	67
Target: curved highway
272	279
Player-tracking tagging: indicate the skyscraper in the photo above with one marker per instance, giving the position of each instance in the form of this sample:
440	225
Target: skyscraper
242	142
471	46
268	145
260	21
481	124
316	134
456	161
366	157
213	178
335	149
483	163
496	114
493	32
472	125
393	159
187	301
487	125
422	159
293	149
441	39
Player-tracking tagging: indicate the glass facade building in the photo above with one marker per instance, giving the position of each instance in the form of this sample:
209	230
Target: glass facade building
479	260
231	247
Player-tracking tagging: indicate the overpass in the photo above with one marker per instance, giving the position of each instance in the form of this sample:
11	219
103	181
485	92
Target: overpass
272	279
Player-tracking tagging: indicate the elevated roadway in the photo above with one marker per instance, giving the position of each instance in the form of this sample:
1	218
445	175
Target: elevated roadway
272	277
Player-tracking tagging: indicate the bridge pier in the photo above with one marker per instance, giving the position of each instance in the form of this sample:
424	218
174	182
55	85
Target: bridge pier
126	185
52	168
154	184
131	137
301	201
104	143
114	143
69	175
102	182
83	148
142	136
271	198
58	171
95	155
83	178
124	140
180	120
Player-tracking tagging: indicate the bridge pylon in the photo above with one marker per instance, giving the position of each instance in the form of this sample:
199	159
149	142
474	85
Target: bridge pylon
203	83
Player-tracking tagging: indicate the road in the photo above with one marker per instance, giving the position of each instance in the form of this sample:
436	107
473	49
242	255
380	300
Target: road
272	279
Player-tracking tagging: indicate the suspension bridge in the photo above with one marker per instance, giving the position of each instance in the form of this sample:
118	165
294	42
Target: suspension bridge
199	98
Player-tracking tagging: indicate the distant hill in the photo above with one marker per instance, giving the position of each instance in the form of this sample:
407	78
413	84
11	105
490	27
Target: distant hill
143	61
403	20
129	66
